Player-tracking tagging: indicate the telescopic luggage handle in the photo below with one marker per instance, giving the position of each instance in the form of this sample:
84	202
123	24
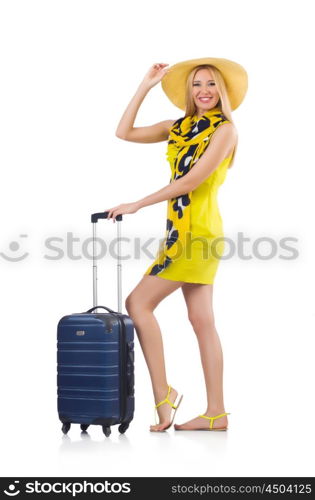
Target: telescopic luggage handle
103	215
94	218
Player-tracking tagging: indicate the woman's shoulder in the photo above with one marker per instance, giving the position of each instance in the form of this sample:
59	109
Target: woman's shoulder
229	127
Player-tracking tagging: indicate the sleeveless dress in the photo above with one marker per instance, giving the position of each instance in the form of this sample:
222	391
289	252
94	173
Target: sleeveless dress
198	258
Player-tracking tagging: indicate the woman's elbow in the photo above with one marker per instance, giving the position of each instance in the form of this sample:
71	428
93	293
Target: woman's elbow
119	135
189	186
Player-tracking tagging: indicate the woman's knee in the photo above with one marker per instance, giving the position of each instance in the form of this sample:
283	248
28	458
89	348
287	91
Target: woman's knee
134	305
130	303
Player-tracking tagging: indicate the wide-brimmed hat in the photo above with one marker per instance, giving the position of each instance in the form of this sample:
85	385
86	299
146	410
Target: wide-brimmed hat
234	75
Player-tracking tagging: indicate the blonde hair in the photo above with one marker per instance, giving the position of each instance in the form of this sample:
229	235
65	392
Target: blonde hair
223	103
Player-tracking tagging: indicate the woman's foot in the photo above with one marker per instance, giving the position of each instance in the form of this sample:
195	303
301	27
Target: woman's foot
202	423
165	412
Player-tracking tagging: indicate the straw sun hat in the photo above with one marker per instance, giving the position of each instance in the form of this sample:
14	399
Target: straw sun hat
234	75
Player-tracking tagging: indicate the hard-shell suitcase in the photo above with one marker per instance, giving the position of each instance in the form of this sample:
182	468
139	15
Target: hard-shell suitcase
95	361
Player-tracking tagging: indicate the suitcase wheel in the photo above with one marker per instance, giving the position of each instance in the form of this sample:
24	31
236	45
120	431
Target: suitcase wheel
84	427
66	426
123	427
106	430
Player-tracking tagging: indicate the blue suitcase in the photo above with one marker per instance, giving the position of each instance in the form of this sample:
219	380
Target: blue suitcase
95	361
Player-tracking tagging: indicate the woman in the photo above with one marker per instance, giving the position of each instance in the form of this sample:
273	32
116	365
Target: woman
207	89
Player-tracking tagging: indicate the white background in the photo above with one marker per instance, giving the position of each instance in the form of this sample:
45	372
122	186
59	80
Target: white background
69	69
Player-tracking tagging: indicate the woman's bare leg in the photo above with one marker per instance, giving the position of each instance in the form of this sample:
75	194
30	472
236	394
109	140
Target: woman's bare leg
140	305
199	306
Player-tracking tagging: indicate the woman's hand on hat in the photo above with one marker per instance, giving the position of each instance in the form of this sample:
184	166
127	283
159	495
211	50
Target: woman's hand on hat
123	208
155	74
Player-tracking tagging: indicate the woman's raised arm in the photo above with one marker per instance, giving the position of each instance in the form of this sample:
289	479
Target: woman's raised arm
153	133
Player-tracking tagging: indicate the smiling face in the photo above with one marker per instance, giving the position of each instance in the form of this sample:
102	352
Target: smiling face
204	91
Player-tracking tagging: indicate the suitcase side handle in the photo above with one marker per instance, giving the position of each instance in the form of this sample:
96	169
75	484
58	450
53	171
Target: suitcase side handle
102	307
130	366
103	215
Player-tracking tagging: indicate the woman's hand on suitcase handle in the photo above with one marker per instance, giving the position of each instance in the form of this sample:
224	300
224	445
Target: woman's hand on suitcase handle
123	208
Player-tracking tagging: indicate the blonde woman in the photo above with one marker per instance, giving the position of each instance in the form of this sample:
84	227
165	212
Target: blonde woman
200	148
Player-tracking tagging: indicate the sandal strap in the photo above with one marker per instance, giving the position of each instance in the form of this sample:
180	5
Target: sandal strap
166	400
213	418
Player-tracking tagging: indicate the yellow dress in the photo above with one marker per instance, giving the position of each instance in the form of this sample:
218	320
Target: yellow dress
196	256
